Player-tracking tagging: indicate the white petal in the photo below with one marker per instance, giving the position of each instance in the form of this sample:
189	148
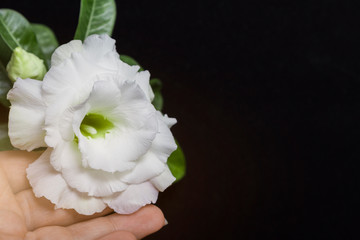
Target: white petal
26	116
164	142
48	183
75	77
133	198
80	202
143	80
91	181
164	180
168	121
64	52
101	49
135	127
149	166
58	121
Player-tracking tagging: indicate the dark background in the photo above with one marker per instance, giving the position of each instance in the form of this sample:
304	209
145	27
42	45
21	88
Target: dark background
266	94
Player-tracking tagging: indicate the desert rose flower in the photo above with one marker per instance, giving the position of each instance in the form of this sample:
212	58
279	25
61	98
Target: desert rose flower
106	145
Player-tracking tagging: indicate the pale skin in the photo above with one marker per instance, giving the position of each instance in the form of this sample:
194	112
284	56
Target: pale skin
23	216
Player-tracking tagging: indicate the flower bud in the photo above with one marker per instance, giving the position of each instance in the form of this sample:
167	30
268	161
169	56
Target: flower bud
25	65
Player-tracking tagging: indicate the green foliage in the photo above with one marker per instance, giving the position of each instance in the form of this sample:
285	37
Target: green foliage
47	41
5	85
96	17
158	100
5	143
16	31
177	164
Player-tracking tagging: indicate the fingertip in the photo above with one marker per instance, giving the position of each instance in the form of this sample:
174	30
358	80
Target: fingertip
142	223
153	218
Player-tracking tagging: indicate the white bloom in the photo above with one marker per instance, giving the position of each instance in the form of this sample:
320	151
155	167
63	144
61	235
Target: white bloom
106	143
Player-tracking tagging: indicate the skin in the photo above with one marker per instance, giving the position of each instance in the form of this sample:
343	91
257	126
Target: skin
23	216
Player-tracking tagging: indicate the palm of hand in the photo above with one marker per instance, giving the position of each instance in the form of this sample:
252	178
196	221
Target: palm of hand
23	216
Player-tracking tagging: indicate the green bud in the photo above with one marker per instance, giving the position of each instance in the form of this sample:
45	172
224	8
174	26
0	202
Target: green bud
25	65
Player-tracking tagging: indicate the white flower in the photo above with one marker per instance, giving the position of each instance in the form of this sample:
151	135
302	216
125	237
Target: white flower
106	143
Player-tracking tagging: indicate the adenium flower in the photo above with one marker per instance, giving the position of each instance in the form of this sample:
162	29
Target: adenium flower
106	145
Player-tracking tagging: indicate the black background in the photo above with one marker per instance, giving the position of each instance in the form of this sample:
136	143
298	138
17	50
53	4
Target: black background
266	94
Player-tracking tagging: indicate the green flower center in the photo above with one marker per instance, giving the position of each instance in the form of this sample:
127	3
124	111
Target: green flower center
95	126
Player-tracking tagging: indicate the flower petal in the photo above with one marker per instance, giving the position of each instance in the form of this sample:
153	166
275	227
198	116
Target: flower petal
149	166
101	49
143	80
133	198
135	127
164	142
26	116
58	121
64	52
77	73
91	181
164	180
46	182
168	121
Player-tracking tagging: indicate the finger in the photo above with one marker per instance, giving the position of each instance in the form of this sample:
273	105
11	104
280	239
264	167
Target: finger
14	164
147	220
63	233
40	212
141	223
123	235
7	197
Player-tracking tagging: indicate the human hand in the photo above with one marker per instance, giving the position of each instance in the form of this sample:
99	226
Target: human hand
24	216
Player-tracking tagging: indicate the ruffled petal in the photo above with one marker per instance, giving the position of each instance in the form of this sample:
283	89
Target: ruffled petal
91	181
133	198
75	77
58	121
143	80
101	49
149	166
164	143
135	127
168	121
77	73
26	116
64	52
164	180
46	182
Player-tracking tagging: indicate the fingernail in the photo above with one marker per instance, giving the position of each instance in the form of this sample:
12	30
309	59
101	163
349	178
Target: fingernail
166	222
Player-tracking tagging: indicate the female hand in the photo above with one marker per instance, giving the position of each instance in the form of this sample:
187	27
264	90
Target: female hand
24	216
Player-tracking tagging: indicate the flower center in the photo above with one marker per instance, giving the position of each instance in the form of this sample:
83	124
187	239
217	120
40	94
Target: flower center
95	126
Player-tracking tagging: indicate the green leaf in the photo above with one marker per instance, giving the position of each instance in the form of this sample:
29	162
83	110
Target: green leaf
96	17
177	164
47	41
5	143
16	31
5	85
158	100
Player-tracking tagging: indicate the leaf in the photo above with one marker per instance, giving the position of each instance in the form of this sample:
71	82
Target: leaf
158	100
96	17
16	31
5	85
5	143
47	41
177	164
